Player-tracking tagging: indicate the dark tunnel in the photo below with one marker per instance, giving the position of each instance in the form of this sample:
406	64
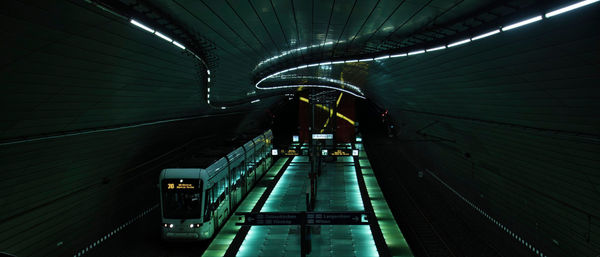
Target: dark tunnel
300	128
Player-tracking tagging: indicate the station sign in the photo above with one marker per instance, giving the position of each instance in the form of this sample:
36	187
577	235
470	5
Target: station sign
272	218
302	218
339	152
336	218
322	136
288	152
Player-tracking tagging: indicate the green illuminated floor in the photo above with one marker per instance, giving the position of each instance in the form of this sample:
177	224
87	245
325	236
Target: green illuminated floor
221	242
337	191
288	195
391	233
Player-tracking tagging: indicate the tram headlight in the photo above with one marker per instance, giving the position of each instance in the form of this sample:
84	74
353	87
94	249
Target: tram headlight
167	225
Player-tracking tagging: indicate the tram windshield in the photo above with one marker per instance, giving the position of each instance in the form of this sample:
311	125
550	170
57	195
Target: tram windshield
182	198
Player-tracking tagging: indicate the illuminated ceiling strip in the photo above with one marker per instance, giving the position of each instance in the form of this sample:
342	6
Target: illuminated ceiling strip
494	32
303	99
398	55
356	88
570	7
255	101
163	36
522	23
144	27
179	45
319	86
291	52
459	42
508	27
416	52
435	48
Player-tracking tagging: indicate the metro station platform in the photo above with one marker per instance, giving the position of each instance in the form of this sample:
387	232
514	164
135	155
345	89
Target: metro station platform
346	184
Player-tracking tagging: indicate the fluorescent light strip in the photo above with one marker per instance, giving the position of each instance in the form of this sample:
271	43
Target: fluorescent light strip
144	27
486	35
416	52
522	23
208	79
208	72
570	7
319	86
505	28
435	48
163	36
325	79
398	55
292	51
179	45
459	42
223	107
255	101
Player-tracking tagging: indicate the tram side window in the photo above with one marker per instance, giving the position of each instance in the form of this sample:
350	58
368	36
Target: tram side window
208	203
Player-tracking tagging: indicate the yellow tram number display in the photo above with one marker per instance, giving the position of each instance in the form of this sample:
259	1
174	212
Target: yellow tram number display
181	185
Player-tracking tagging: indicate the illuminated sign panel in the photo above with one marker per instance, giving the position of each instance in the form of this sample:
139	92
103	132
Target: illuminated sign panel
295	138
339	152
290	152
180	184
322	136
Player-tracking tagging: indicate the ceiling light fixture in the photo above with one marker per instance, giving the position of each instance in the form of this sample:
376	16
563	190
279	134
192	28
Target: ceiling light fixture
494	32
570	7
144	27
435	48
522	23
461	42
163	36
179	45
416	52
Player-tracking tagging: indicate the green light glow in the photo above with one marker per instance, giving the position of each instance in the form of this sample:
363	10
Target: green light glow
221	242
391	233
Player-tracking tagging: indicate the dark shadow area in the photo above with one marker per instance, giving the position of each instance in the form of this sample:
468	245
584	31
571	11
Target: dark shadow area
434	221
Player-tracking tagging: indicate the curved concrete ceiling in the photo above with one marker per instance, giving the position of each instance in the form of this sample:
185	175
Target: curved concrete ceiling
510	120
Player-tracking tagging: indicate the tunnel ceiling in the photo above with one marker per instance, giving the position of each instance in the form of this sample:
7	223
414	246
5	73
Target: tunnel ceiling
255	38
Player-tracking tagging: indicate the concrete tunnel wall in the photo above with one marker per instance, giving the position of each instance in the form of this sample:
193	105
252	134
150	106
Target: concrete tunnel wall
67	69
513	126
